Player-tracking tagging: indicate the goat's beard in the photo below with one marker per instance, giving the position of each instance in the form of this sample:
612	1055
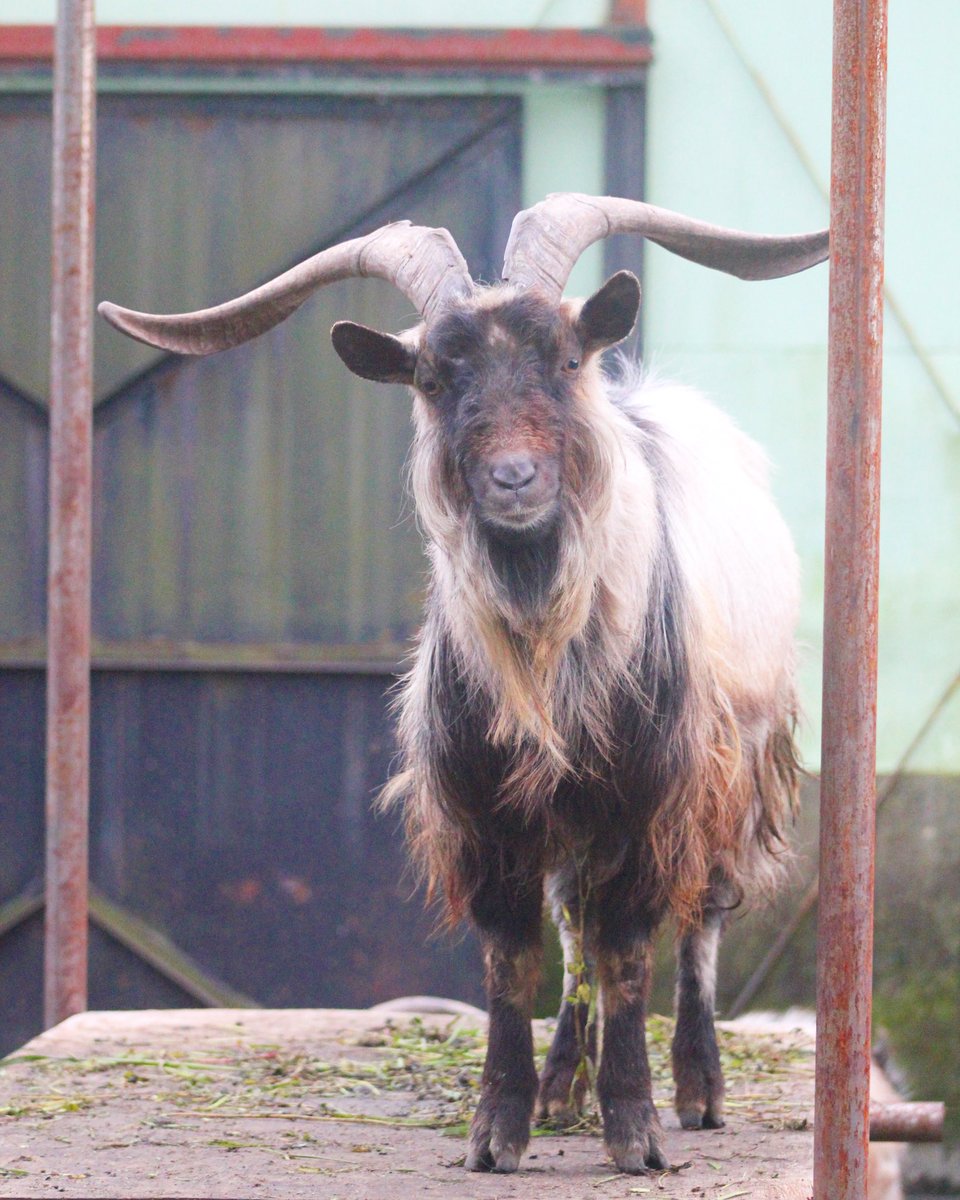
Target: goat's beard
525	562
521	615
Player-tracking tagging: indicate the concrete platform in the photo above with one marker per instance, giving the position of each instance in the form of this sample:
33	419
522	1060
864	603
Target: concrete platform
349	1105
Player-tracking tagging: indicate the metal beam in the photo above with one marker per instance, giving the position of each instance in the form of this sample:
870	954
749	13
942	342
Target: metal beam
907	1122
71	423
142	939
847	806
280	658
166	958
21	908
509	51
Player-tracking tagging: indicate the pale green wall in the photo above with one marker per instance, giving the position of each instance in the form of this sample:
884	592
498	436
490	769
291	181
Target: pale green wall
739	133
739	128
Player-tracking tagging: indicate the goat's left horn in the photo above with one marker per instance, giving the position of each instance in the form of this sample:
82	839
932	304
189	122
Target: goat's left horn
425	264
546	241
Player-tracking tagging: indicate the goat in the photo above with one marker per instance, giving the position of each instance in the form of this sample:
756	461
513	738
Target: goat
601	701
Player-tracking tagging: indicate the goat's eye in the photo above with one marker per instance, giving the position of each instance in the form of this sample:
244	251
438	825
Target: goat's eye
571	365
429	387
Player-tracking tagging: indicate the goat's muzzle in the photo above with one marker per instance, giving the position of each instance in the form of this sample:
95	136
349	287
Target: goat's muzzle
517	493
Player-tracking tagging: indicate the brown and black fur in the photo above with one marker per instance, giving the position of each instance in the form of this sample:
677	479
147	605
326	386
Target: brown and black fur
574	724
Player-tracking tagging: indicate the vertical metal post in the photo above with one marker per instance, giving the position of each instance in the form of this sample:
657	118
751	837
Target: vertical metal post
627	12
71	412
848	787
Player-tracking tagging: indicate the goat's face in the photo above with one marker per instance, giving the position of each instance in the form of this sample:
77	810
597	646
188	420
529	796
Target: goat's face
499	376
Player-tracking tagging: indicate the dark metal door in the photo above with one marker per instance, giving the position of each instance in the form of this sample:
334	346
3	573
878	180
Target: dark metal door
257	569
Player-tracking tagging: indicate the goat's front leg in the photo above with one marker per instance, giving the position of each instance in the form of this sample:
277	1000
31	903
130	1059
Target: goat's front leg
631	1127
508	917
696	1057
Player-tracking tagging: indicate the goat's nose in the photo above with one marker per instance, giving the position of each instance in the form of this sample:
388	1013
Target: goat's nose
513	471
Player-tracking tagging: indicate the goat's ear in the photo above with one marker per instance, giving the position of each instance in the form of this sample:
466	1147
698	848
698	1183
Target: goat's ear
610	313
374	355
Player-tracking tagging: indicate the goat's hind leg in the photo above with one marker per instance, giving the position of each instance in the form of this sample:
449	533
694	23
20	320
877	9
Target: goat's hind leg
570	1061
508	918
696	1057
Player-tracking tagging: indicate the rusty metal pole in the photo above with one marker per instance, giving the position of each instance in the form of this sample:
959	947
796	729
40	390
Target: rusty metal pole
848	773
71	421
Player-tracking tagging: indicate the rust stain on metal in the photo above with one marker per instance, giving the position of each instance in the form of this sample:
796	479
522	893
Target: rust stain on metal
845	937
71	411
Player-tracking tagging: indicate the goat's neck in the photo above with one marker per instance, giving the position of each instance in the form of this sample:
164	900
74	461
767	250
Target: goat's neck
552	665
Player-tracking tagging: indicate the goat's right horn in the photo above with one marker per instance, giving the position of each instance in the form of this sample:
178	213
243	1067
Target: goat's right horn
425	264
547	239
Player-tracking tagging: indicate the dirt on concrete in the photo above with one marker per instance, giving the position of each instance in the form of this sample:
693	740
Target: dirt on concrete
349	1105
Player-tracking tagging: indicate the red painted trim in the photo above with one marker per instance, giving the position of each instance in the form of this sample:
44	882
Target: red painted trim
384	49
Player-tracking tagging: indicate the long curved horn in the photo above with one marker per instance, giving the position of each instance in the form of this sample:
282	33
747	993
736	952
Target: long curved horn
424	263
546	240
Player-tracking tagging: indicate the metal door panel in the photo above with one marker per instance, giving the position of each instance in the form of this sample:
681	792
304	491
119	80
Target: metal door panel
249	507
258	495
23	518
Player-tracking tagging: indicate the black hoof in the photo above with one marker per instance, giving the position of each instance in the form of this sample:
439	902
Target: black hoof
499	1134
484	1159
700	1118
639	1157
633	1136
